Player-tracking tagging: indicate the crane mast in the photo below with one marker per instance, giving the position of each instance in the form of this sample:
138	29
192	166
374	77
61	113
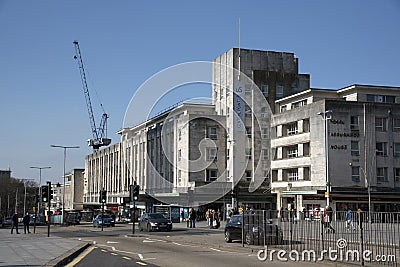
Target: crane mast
99	134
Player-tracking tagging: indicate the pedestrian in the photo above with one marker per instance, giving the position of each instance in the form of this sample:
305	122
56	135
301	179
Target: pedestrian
327	220
215	220
183	215
208	217
14	223
26	220
349	220
192	218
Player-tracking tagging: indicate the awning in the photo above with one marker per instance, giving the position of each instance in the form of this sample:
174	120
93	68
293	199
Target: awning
311	192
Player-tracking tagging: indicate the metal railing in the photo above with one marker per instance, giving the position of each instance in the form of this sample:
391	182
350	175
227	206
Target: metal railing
353	237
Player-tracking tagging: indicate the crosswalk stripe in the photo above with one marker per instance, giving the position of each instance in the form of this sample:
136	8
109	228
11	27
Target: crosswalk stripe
141	263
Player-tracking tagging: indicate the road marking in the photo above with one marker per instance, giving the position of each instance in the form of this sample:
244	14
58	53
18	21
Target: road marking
80	257
140	256
103	250
126	258
216	249
148	241
112	242
141	263
114	254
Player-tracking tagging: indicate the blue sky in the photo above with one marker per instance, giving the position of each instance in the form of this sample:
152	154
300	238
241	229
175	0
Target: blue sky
125	42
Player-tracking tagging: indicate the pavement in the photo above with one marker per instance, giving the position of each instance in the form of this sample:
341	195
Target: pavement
36	249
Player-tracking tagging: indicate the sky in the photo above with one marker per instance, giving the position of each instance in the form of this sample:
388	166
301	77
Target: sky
124	43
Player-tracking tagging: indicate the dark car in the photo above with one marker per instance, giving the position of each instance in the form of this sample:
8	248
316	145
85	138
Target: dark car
7	222
154	221
106	221
255	234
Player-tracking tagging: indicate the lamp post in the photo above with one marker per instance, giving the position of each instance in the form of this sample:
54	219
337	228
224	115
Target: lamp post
65	157
326	115
25	180
40	183
368	189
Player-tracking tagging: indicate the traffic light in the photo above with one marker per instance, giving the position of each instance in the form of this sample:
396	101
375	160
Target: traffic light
36	199
135	192
50	191
45	193
103	196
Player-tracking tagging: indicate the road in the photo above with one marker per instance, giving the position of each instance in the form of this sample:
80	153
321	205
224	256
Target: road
180	247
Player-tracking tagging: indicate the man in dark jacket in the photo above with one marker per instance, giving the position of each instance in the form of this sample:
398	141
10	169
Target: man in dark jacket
14	223
26	221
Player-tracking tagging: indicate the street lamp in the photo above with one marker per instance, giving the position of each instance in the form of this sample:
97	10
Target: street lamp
368	188
65	157
40	183
327	115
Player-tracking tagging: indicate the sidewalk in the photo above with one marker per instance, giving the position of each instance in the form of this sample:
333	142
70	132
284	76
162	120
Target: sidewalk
36	249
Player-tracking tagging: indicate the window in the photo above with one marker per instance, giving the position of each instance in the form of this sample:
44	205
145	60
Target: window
265	153
354	123
397	175
211	175
264	89
292	151
249	175
381	124
396	150
247	88
355	173
179	154
227	153
247	111
212	133
355	150
381	174
266	176
211	153
264	132
306	174
381	149
293	174
248	132
274	174
292	129
279	91
179	176
396	124
306	126
264	112
283	108
381	98
180	134
299	104
306	149
248	153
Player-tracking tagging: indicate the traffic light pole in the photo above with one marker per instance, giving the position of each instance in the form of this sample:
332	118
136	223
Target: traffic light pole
48	208
102	216
133	217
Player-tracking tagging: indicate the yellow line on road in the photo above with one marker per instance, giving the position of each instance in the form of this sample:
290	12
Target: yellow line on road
80	257
115	254
141	263
126	258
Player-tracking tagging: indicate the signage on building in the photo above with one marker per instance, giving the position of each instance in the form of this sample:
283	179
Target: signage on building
238	105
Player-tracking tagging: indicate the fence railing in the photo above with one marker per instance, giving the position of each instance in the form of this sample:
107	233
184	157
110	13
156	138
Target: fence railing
356	237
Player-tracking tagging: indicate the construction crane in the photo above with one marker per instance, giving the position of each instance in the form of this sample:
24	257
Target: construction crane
99	134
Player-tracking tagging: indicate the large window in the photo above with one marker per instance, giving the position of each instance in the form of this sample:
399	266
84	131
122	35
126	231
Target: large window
279	91
211	153
292	129
354	126
355	173
212	133
397	175
381	98
264	89
211	175
381	149
355	149
292	174
306	174
299	104
381	124
396	124
382	174
396	150
292	151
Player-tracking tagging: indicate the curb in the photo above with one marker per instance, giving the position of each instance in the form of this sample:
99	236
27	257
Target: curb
68	256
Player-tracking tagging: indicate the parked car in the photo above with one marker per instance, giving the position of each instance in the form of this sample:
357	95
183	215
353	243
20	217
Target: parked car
107	220
40	220
154	221
7	222
254	234
73	218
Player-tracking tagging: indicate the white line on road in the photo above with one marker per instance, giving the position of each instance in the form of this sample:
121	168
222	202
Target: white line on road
112	242
217	250
140	256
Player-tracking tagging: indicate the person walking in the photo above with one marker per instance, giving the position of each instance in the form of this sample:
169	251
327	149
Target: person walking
349	220
14	223
192	218
327	218
26	220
